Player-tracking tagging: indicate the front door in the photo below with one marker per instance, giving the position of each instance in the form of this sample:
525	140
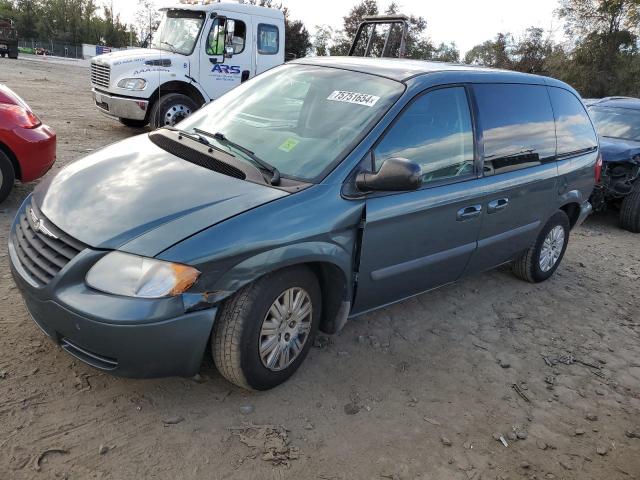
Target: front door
415	241
226	53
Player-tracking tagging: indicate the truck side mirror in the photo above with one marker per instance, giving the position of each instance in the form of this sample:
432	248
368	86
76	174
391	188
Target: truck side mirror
228	51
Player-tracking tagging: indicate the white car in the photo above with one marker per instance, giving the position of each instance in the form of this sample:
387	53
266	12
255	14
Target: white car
199	52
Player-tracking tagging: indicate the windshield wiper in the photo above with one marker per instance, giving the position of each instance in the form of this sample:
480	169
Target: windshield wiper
173	49
198	137
275	174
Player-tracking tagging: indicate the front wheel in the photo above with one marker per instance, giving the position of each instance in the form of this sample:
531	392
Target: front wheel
264	332
170	109
541	259
630	210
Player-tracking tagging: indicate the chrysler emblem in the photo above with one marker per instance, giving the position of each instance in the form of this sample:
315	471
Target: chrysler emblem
39	226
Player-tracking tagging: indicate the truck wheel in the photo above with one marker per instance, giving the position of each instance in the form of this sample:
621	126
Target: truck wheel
170	109
264	332
541	259
2	55
7	176
128	122
630	210
15	57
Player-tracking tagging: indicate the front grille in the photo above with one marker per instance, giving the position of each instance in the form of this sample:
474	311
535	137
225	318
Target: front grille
42	255
100	74
194	156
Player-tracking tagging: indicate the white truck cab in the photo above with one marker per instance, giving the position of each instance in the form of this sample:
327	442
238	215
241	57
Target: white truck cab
198	53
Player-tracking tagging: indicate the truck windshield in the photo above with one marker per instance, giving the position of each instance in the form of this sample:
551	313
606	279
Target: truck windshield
178	31
621	123
301	119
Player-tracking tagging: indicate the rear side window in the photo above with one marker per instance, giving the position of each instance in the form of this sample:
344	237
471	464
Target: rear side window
573	127
435	132
518	127
268	38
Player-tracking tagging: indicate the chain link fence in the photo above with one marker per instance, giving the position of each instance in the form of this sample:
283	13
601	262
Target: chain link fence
50	47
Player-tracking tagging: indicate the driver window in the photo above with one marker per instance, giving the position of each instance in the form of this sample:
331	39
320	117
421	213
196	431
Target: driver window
435	132
225	32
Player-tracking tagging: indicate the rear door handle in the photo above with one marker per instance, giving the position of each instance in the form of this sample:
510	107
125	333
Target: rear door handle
497	205
467	213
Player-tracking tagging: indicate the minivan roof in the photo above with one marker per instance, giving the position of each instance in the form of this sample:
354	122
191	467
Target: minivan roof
402	69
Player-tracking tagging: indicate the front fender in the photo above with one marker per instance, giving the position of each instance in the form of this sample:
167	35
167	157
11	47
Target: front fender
309	252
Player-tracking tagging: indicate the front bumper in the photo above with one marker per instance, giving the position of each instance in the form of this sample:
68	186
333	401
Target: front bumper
120	107
585	211
125	336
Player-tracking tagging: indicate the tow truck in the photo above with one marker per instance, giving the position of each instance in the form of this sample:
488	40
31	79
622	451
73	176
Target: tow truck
201	51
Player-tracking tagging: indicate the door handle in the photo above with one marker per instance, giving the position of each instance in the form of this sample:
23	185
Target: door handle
467	213
497	205
244	76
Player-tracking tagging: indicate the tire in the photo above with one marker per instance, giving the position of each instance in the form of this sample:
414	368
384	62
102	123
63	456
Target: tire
7	176
14	57
630	210
2	55
170	109
237	332
528	266
127	122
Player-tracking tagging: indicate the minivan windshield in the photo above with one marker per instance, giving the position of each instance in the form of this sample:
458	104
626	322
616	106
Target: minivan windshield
621	123
178	31
301	119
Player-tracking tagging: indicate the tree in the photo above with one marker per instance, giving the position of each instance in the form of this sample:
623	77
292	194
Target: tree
603	61
492	53
531	52
297	40
147	19
322	40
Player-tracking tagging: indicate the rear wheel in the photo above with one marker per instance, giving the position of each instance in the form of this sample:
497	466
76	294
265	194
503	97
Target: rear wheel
171	109
630	210
7	176
541	259
133	123
264	332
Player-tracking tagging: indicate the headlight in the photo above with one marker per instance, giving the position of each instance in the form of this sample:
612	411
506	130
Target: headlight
133	276
133	83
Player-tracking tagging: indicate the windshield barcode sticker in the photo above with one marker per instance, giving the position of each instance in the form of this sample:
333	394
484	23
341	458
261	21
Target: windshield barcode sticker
353	97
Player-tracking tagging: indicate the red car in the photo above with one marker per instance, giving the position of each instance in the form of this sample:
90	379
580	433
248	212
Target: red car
27	146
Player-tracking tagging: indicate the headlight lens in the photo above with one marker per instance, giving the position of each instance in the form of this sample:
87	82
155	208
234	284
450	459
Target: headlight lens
133	83
134	276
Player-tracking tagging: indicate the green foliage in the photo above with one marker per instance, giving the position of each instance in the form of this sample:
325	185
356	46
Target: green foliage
601	59
73	21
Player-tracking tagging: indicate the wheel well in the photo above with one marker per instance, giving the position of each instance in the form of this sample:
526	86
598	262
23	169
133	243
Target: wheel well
176	87
333	285
573	212
12	159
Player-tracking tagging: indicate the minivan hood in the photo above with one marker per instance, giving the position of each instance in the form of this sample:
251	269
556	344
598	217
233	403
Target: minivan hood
136	197
618	150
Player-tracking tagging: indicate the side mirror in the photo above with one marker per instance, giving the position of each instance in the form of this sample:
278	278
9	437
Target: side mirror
228	51
395	174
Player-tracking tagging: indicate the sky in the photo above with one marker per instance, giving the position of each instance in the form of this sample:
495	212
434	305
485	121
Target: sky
465	22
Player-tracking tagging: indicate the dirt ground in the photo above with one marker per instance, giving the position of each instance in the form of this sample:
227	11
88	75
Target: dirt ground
419	390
